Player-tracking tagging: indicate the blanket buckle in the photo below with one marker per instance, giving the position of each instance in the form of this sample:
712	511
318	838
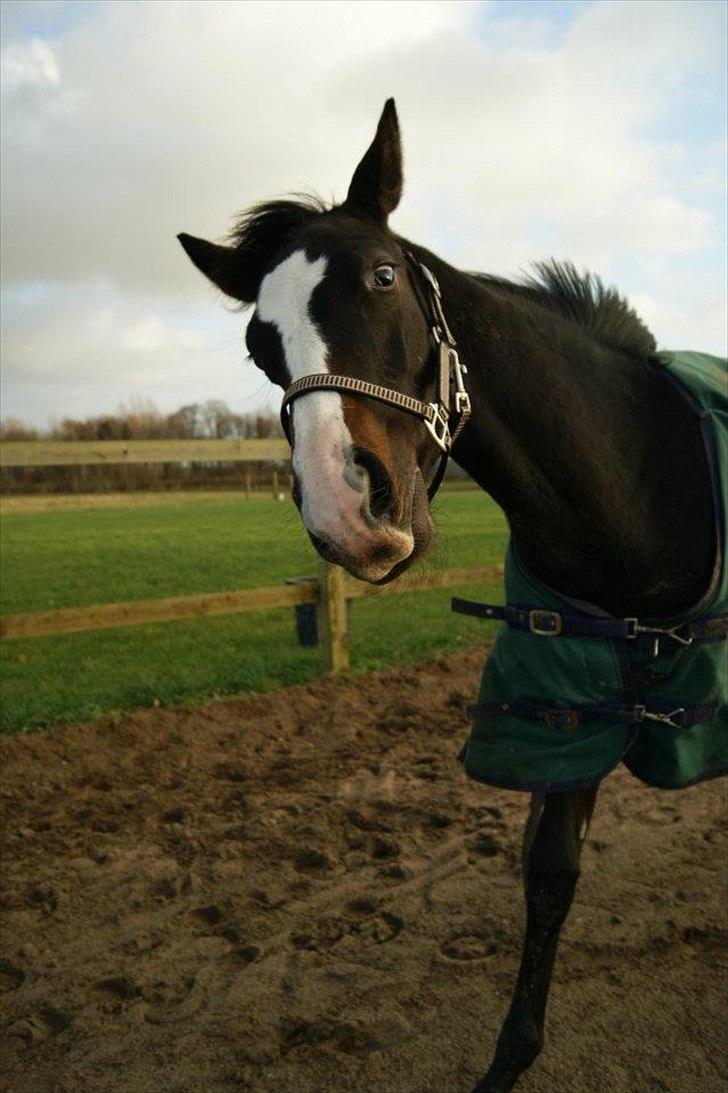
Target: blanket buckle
546	623
634	628
560	718
666	718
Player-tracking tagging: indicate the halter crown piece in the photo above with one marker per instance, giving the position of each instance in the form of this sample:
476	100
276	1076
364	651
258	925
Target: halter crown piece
452	400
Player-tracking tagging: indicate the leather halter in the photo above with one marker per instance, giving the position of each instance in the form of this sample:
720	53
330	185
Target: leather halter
452	400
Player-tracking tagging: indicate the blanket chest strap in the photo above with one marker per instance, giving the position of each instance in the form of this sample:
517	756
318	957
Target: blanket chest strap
547	623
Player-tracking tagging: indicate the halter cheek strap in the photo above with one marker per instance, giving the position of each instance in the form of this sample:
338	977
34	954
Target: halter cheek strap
444	418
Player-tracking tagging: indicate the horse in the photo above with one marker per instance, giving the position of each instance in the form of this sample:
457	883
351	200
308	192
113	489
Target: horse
550	394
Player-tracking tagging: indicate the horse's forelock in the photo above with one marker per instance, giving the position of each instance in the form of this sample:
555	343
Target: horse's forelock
264	229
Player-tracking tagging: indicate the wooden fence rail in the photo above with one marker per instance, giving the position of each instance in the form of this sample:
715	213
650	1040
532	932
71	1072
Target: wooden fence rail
329	592
72	453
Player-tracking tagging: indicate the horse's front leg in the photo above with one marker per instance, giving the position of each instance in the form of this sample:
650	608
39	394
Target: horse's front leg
552	846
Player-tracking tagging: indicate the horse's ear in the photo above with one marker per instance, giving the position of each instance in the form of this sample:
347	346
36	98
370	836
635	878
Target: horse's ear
224	266
377	183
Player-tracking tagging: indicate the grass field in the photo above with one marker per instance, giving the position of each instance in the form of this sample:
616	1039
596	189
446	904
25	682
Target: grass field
80	553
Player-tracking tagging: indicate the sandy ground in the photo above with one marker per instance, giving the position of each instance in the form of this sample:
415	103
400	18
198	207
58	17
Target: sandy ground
301	892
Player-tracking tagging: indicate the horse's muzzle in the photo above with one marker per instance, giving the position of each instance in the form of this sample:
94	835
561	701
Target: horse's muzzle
351	521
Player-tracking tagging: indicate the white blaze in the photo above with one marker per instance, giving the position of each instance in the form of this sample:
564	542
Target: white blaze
330	507
322	438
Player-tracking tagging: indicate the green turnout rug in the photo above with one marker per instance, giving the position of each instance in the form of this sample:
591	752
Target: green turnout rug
533	742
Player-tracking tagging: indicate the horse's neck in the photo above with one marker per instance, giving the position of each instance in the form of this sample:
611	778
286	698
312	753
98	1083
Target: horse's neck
596	459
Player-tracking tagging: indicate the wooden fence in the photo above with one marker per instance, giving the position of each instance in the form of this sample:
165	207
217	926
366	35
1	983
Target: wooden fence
74	453
330	593
93	466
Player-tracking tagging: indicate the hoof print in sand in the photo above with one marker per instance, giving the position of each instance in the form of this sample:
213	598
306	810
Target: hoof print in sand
40	1026
245	954
209	916
379	927
356	1040
11	977
364	821
318	935
464	948
309	860
396	871
486	845
385	849
172	1002
349	1038
43	897
363	905
296	1033
118	986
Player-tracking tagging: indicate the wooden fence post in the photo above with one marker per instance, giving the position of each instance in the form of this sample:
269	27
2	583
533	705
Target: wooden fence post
332	620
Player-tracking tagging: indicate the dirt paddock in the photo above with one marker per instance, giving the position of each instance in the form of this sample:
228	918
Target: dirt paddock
301	892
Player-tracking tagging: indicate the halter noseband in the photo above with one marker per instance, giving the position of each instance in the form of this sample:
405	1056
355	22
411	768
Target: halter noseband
435	415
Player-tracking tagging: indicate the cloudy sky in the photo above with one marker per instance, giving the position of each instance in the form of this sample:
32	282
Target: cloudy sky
589	129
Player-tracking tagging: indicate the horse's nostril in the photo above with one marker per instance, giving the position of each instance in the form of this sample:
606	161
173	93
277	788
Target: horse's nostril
381	496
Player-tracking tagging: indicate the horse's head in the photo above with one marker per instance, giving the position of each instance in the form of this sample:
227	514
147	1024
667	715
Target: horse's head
334	293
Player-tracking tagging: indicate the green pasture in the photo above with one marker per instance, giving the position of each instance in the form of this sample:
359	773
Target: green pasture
74	556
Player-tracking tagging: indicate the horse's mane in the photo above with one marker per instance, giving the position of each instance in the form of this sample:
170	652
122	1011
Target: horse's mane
582	297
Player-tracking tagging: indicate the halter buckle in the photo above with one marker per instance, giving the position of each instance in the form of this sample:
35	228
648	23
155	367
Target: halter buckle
438	426
461	397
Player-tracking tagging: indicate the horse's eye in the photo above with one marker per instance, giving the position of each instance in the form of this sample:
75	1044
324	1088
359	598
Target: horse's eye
384	276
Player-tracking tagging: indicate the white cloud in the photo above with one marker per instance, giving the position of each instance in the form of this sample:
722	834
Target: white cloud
152	335
144	119
685	327
30	63
94	350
